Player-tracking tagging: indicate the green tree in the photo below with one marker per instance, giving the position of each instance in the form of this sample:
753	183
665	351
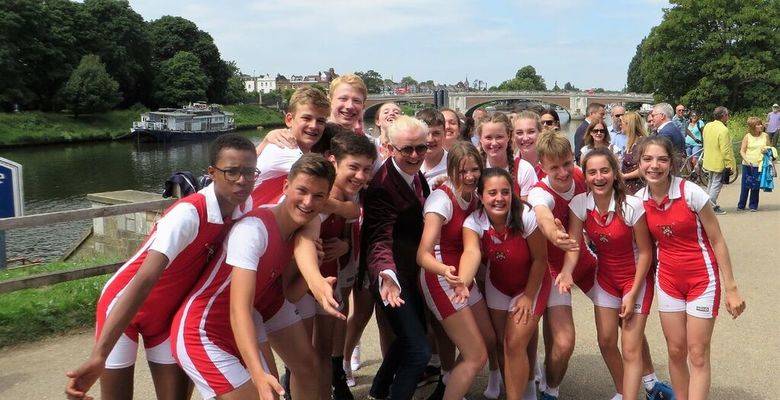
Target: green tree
180	80
568	87
556	88
707	53
118	35
408	80
170	35
40	45
372	79
235	91
526	78
90	88
635	82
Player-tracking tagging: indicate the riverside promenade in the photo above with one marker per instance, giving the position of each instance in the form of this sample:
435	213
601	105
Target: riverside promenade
745	362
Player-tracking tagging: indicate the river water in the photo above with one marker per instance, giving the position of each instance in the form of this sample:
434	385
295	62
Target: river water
59	177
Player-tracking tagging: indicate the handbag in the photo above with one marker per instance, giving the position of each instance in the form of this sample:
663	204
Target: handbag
725	176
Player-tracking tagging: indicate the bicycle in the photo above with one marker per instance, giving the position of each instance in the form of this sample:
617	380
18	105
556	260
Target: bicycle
695	173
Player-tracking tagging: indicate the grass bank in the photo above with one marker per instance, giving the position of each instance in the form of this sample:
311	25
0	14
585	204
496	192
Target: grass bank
32	314
35	127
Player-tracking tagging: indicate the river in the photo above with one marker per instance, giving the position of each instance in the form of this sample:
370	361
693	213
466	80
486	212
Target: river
59	177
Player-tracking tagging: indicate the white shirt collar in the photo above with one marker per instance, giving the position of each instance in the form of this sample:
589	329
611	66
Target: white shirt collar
664	124
674	190
213	212
590	203
407	178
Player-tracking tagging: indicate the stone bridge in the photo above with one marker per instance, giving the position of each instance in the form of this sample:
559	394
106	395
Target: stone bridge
574	103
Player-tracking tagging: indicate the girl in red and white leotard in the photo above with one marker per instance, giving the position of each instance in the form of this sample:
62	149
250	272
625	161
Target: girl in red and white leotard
623	290
692	260
466	323
505	232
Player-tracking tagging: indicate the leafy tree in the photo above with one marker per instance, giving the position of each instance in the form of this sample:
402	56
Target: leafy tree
568	87
526	78
635	82
272	98
713	52
372	79
90	88
235	91
40	46
170	35
118	35
408	80
180	80
556	88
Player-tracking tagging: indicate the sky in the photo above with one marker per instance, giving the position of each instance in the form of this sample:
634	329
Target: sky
586	42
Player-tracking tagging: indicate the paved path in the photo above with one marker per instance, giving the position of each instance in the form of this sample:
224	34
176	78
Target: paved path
744	352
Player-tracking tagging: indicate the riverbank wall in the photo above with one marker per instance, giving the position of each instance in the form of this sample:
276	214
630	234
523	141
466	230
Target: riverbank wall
31	128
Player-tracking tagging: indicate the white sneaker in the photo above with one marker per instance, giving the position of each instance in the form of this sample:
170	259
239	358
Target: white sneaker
354	361
348	372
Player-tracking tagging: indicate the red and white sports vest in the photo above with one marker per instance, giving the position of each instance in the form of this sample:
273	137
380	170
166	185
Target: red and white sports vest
176	280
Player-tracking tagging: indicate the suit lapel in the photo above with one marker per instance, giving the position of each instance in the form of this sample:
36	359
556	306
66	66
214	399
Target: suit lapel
404	189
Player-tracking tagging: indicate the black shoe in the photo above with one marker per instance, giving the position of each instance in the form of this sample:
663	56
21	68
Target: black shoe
339	380
438	393
429	375
286	383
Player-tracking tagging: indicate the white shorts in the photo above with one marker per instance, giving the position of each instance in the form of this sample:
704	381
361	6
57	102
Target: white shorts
497	300
348	275
307	306
224	371
437	293
558	299
603	298
287	315
703	306
125	350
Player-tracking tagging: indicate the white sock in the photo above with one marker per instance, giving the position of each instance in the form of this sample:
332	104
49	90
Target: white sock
445	377
542	378
493	389
435	361
617	396
552	391
530	391
649	381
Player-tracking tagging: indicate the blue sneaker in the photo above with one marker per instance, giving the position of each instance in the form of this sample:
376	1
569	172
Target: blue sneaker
660	391
546	396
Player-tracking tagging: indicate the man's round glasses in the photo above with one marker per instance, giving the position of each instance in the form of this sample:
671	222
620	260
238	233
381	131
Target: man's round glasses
234	174
420	149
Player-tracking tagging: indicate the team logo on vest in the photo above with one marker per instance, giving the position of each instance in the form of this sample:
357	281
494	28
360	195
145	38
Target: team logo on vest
499	256
603	238
666	230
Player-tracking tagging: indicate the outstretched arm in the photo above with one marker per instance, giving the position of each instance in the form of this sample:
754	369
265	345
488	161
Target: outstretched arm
305	253
136	292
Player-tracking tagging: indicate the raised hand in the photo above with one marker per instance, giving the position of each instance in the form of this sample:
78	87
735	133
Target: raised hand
562	239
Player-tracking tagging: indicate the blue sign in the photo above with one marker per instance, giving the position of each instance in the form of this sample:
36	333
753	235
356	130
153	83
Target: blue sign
11	191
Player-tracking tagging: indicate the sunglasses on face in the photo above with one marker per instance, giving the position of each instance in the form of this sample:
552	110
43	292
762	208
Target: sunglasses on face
618	115
420	149
599	131
549	122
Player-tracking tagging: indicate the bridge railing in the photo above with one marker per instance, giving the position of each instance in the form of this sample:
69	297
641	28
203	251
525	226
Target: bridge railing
50	278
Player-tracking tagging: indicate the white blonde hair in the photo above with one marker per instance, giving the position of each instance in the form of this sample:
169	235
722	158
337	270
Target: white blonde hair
405	123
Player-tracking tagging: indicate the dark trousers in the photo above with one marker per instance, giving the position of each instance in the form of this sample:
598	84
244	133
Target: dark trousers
750	184
409	353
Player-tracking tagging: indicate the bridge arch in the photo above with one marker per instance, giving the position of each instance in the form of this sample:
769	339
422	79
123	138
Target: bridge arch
557	107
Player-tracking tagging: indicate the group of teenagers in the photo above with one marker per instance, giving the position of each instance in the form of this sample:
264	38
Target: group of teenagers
459	248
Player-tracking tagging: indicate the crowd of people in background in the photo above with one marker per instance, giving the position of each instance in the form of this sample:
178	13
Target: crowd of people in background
464	235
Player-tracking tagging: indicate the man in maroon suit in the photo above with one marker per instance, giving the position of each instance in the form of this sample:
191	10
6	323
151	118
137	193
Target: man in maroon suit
392	227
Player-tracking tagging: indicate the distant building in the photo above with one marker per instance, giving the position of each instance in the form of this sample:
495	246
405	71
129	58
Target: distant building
298	81
259	84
